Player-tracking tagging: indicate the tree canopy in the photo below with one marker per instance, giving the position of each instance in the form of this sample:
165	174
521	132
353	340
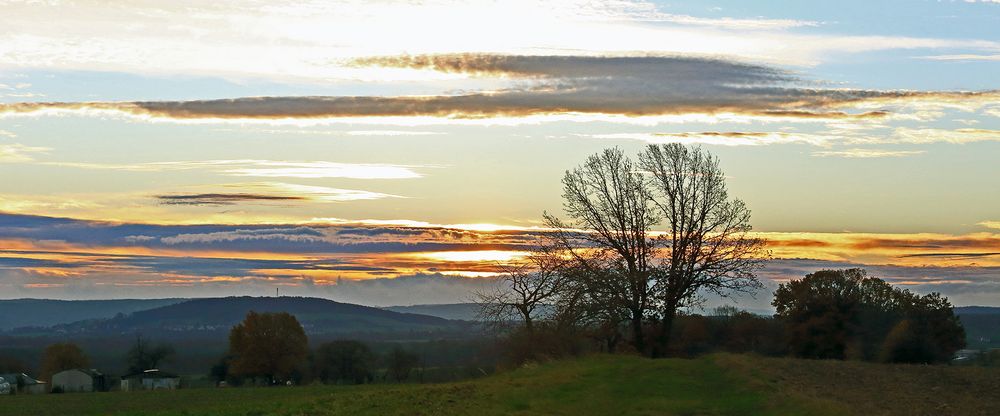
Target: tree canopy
616	265
269	345
61	357
845	314
348	362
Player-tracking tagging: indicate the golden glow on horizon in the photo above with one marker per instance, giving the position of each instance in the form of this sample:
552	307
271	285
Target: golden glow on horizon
472	256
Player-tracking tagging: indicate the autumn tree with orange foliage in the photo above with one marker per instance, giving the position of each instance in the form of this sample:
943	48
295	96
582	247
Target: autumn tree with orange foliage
267	345
61	357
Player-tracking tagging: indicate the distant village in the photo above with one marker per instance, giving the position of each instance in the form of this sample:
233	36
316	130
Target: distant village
87	380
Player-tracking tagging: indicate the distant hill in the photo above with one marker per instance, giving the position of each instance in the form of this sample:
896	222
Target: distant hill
977	310
317	316
982	326
46	312
457	311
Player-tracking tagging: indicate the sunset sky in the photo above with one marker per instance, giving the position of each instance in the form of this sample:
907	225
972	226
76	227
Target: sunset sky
392	153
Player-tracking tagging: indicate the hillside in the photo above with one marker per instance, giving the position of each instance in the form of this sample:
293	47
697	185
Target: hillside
457	311
317	316
599	385
18	313
982	326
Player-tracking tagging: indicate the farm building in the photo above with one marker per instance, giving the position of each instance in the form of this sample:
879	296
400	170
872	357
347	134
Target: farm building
79	380
21	383
151	380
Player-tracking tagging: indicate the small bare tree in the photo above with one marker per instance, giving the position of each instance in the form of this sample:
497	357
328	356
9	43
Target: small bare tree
707	244
525	291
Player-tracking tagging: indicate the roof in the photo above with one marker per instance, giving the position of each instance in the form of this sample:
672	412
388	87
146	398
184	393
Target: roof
12	378
88	371
153	373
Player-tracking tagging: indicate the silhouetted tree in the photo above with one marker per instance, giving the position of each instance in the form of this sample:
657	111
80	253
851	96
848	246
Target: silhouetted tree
930	332
608	200
708	246
268	345
400	363
350	362
846	314
146	356
622	268
61	357
524	291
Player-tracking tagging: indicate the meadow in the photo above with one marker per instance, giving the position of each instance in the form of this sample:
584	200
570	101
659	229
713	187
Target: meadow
721	384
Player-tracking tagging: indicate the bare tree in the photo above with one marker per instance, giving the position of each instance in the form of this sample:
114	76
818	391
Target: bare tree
522	291
609	235
707	244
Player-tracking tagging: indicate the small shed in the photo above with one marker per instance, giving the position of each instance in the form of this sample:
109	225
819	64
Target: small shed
79	380
151	380
21	383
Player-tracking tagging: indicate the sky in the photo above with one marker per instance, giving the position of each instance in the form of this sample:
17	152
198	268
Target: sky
395	153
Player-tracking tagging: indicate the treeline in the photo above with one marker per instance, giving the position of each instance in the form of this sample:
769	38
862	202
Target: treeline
648	236
273	349
830	314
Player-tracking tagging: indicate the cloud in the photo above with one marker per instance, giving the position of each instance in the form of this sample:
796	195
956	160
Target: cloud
359	260
959	136
990	224
265	168
867	153
725	138
222	199
963	57
635	86
324	170
303	40
270	192
391	133
297	234
17	152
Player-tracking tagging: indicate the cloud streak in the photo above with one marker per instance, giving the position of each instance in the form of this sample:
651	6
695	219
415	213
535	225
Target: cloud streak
557	85
264	168
867	153
222	199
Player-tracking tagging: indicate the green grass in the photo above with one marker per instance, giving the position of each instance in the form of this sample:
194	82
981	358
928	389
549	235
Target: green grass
599	385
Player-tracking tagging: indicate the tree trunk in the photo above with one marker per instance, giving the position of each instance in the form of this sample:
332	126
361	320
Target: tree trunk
666	326
637	336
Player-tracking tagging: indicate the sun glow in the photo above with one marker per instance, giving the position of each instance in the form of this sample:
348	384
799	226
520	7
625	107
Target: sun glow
472	256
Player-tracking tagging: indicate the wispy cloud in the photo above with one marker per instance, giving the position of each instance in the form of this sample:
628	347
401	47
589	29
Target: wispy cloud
222	199
964	57
867	153
560	85
725	138
265	168
269	193
325	170
17	152
990	224
304	40
958	136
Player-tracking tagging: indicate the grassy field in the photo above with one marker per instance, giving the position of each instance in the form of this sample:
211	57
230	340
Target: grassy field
600	385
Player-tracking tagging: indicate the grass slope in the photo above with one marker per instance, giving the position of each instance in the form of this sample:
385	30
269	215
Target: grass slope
601	385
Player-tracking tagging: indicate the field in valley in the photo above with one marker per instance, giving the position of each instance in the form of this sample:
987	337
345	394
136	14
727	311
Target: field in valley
598	385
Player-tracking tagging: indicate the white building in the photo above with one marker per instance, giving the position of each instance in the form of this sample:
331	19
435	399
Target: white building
151	380
79	380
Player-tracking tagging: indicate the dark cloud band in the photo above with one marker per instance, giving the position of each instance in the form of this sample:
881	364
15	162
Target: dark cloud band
630	86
